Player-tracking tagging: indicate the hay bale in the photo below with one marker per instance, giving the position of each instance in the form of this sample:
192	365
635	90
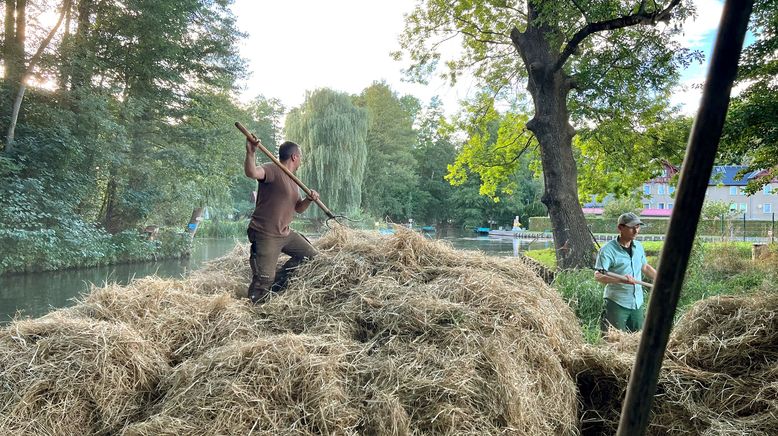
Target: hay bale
377	335
733	335
285	384
719	374
75	376
228	274
172	315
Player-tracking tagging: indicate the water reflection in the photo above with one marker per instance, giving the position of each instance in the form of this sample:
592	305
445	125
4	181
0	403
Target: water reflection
33	295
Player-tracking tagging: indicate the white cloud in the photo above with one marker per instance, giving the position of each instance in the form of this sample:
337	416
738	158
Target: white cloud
700	30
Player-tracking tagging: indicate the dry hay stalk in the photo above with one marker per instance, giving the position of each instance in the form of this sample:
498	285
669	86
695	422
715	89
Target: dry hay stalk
377	335
74	376
720	375
171	315
285	384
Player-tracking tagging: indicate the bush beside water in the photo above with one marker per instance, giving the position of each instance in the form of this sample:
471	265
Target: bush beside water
81	245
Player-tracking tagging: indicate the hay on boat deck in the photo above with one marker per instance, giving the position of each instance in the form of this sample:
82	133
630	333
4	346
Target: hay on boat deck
443	341
74	376
172	315
720	374
282	384
377	335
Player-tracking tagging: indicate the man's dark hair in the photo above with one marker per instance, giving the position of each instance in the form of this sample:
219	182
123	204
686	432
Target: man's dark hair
287	149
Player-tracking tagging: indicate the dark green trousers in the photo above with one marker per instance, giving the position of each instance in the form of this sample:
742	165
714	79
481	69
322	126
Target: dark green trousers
629	320
263	259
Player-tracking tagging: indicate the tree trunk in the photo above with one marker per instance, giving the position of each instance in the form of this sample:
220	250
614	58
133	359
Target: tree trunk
9	37
194	222
109	207
551	126
79	69
28	69
9	138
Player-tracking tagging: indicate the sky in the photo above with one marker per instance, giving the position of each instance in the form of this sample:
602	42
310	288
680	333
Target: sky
294	46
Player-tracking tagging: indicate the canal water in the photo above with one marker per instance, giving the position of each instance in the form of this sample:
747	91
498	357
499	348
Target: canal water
35	294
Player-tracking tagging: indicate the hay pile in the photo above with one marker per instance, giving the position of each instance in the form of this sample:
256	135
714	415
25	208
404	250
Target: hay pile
66	375
377	335
720	375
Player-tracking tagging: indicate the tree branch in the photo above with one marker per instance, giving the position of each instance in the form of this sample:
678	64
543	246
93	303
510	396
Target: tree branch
613	24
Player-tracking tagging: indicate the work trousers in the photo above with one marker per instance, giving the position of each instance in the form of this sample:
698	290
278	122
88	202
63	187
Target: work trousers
628	320
263	259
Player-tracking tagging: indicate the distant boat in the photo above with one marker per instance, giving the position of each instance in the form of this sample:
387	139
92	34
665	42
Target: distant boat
482	230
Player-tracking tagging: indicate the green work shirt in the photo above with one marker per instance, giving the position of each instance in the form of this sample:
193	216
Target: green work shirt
616	259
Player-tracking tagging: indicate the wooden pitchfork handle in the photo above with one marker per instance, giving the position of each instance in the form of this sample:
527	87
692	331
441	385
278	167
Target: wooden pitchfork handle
254	140
621	277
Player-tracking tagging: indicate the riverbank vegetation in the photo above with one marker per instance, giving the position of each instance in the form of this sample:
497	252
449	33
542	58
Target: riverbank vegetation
715	269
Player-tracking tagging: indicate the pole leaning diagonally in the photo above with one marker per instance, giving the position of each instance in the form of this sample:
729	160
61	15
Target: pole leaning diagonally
695	175
251	137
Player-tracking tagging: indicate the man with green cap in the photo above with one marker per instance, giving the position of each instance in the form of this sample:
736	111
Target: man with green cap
624	256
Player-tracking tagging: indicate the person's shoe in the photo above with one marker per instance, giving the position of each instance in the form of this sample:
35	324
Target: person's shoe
258	296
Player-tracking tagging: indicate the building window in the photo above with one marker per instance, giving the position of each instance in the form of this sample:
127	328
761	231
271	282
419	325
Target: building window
646	206
660	190
672	189
732	207
647	189
743	207
669	205
733	190
661	205
767	190
767	208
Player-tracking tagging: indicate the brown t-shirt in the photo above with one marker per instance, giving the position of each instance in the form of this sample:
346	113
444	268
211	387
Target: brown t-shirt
277	196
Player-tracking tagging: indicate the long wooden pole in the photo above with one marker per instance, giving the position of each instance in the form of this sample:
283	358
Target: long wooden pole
254	140
621	277
695	175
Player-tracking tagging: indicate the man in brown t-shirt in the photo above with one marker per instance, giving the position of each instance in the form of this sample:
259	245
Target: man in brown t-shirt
278	199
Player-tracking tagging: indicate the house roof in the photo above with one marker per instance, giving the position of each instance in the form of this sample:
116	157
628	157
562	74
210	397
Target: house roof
656	212
727	175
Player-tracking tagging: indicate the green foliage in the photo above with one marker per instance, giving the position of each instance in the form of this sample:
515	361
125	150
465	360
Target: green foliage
138	132
584	295
331	132
495	144
751	129
614	208
715	209
616	158
222	229
391	174
546	256
433	153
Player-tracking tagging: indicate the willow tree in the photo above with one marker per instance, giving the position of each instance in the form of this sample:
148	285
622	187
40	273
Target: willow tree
332	134
617	55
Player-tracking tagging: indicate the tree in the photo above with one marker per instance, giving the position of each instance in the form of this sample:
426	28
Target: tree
751	131
613	55
433	153
390	173
331	132
18	69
